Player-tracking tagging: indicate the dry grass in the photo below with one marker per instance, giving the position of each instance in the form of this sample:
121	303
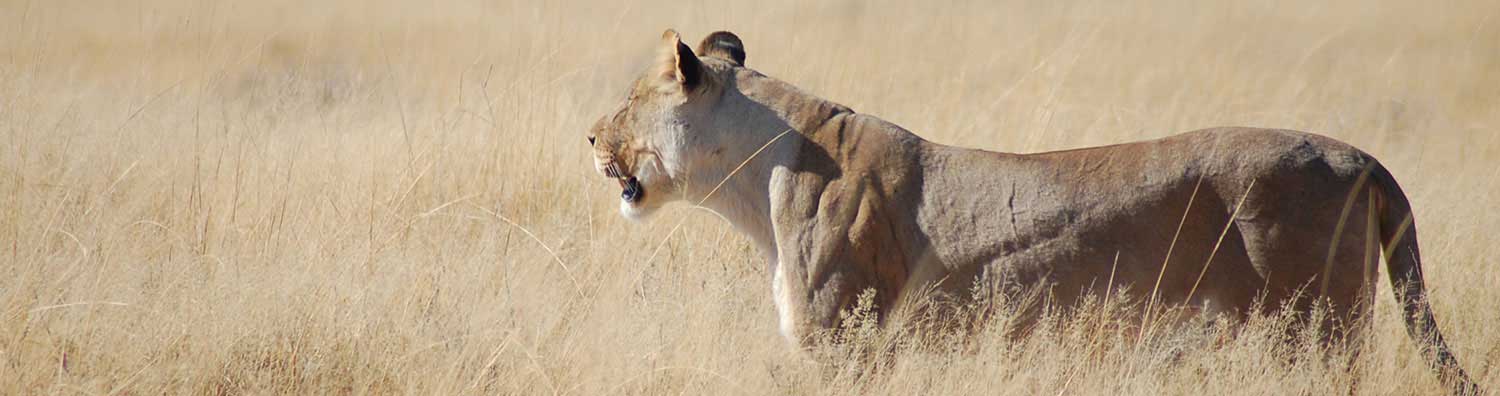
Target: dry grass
372	197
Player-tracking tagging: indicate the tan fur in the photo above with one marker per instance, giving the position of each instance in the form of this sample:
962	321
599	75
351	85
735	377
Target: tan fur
844	202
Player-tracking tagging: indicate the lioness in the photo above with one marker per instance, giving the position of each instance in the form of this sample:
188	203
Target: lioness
841	202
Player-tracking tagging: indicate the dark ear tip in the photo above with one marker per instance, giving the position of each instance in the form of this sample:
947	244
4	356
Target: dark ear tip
688	65
725	45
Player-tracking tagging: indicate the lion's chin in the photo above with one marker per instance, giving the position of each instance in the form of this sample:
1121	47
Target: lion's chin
636	211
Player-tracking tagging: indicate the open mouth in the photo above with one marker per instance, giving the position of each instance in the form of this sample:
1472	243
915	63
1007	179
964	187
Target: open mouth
630	187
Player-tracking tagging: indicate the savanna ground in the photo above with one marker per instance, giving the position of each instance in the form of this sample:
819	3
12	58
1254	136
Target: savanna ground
381	197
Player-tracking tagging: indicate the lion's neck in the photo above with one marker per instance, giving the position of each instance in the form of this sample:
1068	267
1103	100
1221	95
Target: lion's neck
748	209
777	119
739	188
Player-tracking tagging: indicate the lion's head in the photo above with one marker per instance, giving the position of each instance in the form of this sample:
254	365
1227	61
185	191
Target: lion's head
659	135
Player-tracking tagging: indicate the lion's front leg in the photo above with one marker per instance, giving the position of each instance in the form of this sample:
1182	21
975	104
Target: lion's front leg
829	248
812	293
805	310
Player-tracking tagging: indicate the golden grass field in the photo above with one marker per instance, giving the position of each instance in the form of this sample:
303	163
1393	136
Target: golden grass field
388	197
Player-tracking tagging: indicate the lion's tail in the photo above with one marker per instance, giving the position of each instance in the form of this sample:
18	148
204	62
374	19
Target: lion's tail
1403	263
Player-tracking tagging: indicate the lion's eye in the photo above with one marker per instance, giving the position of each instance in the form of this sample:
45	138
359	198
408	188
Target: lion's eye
591	140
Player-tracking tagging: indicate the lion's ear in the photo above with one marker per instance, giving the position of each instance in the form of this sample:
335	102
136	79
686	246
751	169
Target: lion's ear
724	45
678	62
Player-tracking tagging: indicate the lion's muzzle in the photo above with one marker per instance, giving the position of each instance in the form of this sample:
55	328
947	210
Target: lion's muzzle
630	187
631	190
